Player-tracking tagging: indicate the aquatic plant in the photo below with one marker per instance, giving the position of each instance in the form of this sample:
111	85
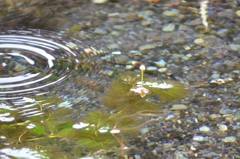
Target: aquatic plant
129	92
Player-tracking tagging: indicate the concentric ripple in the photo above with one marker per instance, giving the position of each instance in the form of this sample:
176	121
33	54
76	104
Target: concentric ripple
31	60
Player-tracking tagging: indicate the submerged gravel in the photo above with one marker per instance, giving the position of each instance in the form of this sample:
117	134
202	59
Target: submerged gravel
173	44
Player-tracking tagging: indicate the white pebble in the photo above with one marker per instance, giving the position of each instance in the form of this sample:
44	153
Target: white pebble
204	128
179	107
99	1
229	139
199	41
222	127
162	70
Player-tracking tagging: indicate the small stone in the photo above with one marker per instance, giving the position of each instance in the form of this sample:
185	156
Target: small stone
145	13
19	68
229	139
119	27
99	1
238	13
129	67
199	138
199	41
151	68
100	31
144	130
161	63
113	46
167	145
147	47
147	22
234	47
214	116
204	128
222	127
179	107
169	27
194	22
121	59
162	70
222	33
171	13
115	33
170	117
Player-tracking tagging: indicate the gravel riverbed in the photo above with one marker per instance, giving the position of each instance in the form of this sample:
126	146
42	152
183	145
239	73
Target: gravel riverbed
171	40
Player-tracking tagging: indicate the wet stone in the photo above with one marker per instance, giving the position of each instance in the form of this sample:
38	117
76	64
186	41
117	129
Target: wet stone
162	70
121	59
119	27
161	63
169	27
100	31
237	13
222	32
229	139
179	107
234	47
214	116
194	22
147	22
19	67
147	47
199	41
151	68
204	129
145	13
99	1
172	12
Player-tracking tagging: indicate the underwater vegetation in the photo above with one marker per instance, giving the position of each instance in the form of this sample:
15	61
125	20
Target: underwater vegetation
129	92
59	132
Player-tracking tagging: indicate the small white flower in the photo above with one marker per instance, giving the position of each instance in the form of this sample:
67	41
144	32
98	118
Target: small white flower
142	91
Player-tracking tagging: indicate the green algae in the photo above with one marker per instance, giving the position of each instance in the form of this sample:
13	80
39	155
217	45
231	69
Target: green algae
105	130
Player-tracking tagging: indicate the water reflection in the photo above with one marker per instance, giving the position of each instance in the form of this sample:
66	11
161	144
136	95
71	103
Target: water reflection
32	63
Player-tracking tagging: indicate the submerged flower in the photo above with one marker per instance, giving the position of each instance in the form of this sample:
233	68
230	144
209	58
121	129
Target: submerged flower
139	89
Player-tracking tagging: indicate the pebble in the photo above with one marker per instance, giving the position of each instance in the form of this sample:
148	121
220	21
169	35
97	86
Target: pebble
119	27
222	127
147	22
237	13
171	13
229	139
19	67
204	128
121	59
169	27
179	107
199	41
145	13
200	138
144	130
100	31
161	63
147	47
222	32
169	117
234	47
129	67
113	46
194	22
151	68
162	70
99	1
214	116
